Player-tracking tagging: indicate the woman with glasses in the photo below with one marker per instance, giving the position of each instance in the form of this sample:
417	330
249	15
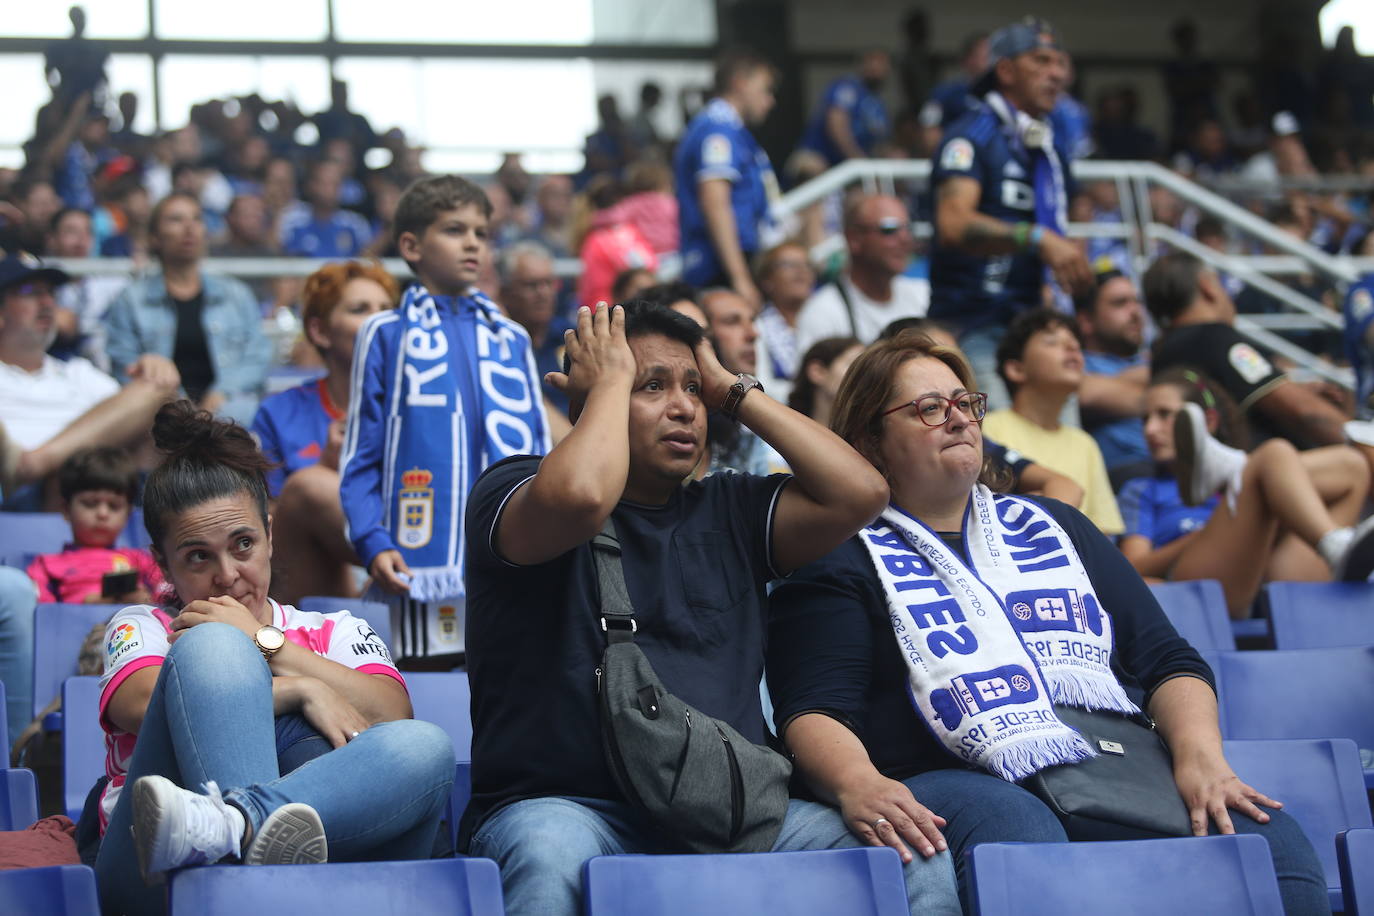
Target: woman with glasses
918	671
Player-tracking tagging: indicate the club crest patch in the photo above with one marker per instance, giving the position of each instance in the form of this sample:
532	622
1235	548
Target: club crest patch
416	505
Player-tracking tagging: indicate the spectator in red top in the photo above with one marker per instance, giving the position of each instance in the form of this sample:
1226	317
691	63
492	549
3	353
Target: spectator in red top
651	205
98	490
612	243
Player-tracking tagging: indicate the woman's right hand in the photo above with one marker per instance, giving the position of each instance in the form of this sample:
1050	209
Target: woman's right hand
873	799
329	713
389	570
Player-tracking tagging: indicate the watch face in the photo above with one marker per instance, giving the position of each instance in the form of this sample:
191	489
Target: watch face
270	638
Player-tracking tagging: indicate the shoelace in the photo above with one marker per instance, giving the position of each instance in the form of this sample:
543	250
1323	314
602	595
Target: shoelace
206	826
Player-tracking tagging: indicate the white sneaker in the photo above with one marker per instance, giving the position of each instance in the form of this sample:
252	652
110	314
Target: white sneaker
1202	464
1356	561
173	826
291	835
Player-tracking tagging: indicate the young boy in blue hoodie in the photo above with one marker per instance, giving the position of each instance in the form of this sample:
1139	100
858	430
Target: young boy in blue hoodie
442	387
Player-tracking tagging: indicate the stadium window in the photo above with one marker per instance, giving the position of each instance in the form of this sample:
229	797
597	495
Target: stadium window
134	73
104	19
515	22
186	80
245	20
25	92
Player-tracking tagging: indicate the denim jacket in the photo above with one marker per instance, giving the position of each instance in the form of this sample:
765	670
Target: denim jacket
143	319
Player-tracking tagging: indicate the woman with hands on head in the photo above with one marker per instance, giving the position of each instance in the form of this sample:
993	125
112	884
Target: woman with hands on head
877	653
211	703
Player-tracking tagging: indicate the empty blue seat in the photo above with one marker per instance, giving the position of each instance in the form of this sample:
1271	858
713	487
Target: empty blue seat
1319	781
1214	874
24	535
433	887
1197	609
444	698
4	723
851	881
1298	693
18	799
58	632
1320	615
377	614
57	890
83	741
1355	852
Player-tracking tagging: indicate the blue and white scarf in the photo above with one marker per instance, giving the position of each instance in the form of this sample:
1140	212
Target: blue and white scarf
990	646
453	360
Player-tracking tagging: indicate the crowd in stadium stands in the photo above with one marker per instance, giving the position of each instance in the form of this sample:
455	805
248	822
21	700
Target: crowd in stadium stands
457	437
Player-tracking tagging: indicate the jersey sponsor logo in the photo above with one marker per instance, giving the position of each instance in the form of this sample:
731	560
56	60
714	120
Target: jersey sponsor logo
958	155
371	644
124	639
416	502
1017	195
716	150
1248	363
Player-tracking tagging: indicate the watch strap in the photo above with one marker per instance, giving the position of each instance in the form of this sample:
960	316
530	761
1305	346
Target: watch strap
744	384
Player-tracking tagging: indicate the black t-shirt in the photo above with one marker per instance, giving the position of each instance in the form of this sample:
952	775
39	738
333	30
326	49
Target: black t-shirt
831	647
191	352
1223	355
696	570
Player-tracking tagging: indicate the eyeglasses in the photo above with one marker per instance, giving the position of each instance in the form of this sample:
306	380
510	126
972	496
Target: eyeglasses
934	410
888	225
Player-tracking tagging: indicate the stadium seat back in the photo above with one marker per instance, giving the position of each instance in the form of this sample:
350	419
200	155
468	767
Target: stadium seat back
1197	609
18	799
55	890
1319	781
25	535
850	881
444	698
83	741
432	887
1321	615
1355	852
377	614
58	632
1216	874
1297	693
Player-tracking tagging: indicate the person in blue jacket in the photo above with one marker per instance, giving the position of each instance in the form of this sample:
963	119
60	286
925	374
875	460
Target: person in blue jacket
851	118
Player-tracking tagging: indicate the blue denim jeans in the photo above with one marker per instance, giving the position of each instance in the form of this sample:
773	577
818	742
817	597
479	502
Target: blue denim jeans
380	796
541	844
18	597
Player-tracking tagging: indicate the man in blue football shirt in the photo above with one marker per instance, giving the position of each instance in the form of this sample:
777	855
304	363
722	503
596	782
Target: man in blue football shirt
319	228
1001	184
851	119
725	183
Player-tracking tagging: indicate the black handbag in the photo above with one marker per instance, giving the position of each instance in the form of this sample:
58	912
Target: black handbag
1126	791
702	782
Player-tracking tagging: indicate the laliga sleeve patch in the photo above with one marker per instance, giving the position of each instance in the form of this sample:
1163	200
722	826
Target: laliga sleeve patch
123	641
845	97
716	150
1361	304
1248	363
958	155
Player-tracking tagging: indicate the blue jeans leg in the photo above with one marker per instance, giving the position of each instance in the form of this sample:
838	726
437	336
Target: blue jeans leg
930	887
1302	882
298	742
18	598
541	845
980	808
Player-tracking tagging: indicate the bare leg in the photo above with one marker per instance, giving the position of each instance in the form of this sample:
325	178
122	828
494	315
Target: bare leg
1235	548
1341	476
310	553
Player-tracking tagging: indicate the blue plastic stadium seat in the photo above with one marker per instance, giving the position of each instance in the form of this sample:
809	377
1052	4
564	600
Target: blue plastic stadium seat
1215	874
850	881
377	614
1197	609
444	698
24	535
57	890
58	632
83	741
1355	852
1320	783
1321	615
433	887
4	723
18	799
1252	630
1298	693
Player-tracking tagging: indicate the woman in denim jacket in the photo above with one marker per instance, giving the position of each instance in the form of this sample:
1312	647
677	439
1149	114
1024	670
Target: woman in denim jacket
223	356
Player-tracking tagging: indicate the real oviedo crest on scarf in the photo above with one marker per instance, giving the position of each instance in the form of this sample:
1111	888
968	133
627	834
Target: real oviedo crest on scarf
416	504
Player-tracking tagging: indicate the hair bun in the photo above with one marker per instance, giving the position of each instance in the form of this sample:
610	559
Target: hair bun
183	431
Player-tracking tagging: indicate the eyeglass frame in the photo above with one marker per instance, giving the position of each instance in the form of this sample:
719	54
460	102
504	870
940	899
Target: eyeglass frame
977	397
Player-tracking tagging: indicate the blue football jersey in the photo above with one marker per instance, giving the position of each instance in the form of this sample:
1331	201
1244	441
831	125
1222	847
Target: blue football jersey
717	145
867	119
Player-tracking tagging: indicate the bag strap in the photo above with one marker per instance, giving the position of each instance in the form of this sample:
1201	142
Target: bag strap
617	614
848	305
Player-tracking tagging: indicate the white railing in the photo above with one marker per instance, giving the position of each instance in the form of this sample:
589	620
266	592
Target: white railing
1141	234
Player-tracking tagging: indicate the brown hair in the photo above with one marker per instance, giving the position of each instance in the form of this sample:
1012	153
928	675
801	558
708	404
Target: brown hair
825	351
871	382
422	202
1193	385
1170	285
324	288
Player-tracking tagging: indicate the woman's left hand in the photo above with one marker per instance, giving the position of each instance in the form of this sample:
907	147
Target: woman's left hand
218	609
1210	788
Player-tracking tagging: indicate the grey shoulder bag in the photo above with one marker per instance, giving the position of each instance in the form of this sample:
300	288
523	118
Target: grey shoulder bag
701	781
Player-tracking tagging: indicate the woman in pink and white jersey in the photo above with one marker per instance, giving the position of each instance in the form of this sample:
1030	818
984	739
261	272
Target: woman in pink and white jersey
211	703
